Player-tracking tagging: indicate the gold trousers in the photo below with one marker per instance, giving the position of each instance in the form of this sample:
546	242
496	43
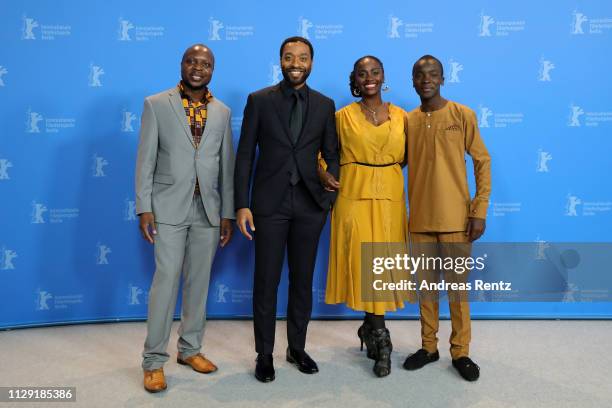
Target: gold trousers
428	303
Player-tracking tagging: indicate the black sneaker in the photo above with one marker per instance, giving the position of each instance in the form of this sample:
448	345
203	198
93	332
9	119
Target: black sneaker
420	359
468	369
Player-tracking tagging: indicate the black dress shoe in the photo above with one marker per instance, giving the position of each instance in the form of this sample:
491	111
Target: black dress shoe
420	359
302	361
468	369
264	369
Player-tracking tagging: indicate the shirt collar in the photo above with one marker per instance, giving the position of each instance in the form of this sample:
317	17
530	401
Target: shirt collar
207	96
288	90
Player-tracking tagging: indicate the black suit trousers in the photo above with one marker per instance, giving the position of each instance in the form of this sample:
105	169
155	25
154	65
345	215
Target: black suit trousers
295	226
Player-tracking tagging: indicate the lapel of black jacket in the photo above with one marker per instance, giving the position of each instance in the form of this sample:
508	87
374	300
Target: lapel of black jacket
310	114
282	110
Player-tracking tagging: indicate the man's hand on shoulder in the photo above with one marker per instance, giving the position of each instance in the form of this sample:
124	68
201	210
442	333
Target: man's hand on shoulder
244	216
475	228
227	229
147	226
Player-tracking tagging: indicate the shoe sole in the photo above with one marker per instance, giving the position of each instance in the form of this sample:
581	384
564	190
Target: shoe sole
156	391
417	368
295	363
382	375
181	362
265	380
465	378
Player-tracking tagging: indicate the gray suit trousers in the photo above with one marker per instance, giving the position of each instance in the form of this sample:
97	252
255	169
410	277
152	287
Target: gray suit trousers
188	248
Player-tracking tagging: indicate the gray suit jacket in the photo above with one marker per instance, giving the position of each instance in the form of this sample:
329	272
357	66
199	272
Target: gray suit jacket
168	162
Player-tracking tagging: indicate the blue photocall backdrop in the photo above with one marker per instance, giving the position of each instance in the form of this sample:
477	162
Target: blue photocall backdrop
73	76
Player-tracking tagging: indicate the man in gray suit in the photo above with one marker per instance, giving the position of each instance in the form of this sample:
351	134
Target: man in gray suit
184	197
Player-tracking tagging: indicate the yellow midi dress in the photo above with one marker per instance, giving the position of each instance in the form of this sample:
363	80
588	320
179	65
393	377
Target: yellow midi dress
371	204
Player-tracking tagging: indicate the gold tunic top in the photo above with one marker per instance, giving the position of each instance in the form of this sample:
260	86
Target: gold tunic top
438	194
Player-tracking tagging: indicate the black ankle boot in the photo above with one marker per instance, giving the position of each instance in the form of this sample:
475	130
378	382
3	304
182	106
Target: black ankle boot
365	336
384	347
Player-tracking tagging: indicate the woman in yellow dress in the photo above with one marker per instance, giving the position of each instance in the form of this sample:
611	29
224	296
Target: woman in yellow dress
371	204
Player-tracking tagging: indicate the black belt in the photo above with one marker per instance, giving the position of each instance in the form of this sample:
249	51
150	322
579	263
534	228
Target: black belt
370	164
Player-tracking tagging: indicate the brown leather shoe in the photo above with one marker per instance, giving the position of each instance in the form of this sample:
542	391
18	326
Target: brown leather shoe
154	380
199	363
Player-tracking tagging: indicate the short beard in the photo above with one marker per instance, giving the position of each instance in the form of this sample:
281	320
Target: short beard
288	79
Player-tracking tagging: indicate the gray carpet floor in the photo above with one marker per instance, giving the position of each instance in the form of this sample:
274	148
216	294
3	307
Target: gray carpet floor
523	364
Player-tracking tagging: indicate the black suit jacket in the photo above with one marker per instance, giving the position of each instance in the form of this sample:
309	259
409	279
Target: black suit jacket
264	128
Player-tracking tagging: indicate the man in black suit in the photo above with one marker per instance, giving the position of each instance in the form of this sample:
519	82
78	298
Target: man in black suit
289	123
